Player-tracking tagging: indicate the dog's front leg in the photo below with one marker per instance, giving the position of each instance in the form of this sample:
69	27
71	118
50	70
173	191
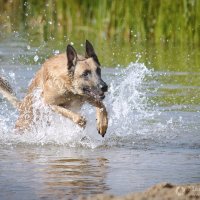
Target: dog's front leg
76	118
101	116
102	120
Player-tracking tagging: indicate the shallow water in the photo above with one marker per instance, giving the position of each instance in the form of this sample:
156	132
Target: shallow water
153	135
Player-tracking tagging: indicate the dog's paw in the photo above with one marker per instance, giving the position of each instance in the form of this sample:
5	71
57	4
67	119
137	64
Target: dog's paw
102	123
102	129
81	121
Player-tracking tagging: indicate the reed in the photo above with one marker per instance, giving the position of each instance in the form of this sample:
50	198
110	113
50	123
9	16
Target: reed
155	21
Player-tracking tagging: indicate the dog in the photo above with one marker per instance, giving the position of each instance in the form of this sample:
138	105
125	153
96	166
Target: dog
67	81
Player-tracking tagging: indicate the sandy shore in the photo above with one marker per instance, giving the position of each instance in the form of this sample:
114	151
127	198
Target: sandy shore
163	191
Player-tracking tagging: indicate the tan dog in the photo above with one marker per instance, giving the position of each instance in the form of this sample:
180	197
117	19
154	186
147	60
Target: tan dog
67	81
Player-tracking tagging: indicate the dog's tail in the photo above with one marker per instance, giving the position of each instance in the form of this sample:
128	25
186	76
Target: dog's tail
7	91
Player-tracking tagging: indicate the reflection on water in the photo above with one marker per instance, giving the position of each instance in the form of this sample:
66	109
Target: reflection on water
75	176
53	173
161	57
50	172
178	89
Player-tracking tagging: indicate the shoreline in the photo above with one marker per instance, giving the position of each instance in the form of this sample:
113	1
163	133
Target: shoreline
162	191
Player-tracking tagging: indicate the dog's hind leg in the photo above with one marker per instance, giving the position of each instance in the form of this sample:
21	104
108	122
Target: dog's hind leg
76	118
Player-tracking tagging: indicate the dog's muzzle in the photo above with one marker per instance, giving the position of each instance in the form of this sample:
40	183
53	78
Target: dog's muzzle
97	93
103	86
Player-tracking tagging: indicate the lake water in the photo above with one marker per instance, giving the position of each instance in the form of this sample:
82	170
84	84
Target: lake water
153	133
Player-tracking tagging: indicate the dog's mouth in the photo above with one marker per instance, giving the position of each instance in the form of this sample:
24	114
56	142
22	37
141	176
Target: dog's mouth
98	95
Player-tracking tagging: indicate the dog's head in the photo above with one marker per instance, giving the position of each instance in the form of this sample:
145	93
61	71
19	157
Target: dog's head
86	73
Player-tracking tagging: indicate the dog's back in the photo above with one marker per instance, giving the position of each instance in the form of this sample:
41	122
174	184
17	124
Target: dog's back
51	69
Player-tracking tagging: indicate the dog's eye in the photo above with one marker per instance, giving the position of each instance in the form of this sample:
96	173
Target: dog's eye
86	73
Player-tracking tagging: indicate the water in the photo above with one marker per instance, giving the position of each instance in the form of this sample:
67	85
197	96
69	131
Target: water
153	134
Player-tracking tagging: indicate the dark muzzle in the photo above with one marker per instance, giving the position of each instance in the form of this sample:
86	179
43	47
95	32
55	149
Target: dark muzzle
103	86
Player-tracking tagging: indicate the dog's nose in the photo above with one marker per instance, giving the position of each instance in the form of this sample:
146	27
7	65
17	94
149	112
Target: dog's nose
104	86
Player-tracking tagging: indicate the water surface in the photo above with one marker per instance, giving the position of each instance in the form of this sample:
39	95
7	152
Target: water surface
153	133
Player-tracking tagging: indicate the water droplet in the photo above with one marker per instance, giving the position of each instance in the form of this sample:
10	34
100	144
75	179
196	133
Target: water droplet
56	52
12	75
36	57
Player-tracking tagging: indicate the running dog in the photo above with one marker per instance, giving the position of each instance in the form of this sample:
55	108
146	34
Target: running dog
66	81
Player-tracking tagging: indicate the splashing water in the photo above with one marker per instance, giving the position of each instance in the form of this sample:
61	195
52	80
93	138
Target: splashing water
128	100
127	105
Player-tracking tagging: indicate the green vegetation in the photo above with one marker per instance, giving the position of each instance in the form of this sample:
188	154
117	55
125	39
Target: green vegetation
156	21
158	29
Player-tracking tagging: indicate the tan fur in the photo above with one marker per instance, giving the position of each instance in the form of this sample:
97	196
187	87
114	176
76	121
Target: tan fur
60	90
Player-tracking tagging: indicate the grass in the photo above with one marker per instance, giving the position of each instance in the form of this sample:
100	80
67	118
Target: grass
159	29
154	21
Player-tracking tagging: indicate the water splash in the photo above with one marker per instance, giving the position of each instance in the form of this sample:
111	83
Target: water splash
127	105
127	100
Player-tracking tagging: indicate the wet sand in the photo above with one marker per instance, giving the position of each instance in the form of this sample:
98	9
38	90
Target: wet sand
163	191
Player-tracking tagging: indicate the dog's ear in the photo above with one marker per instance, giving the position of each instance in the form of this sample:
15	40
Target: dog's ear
90	53
71	57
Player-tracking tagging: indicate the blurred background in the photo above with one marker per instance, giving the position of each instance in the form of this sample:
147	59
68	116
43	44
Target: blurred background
156	29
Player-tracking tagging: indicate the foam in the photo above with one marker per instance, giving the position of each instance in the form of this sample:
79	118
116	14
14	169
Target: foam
127	105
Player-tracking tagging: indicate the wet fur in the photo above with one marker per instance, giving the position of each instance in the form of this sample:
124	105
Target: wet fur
64	89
